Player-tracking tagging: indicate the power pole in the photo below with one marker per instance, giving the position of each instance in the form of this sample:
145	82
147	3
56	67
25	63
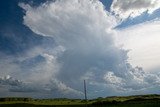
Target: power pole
85	91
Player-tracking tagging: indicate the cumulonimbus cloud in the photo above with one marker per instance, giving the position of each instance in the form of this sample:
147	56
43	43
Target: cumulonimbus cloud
84	29
85	49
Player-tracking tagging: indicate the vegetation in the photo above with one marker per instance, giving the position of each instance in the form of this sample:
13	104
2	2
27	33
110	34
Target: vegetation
120	101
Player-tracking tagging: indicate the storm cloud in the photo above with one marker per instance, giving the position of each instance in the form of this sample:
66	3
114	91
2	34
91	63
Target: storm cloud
85	31
85	47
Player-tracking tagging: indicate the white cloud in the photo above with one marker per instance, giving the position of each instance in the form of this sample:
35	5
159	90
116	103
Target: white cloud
35	72
82	29
61	17
133	8
110	78
8	80
144	42
85	48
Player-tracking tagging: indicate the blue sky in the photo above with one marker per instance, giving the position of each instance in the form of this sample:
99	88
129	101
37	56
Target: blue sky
47	48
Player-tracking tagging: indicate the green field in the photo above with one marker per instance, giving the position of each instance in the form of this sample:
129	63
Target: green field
122	101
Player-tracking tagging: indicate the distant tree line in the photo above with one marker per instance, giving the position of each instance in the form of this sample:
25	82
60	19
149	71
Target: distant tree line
15	99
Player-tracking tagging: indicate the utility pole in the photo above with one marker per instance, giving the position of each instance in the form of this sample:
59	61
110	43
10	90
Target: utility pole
85	91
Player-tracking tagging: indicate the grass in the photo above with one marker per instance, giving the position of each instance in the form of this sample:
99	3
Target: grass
42	101
120	101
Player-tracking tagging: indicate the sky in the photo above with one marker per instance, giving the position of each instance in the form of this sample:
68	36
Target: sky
48	47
